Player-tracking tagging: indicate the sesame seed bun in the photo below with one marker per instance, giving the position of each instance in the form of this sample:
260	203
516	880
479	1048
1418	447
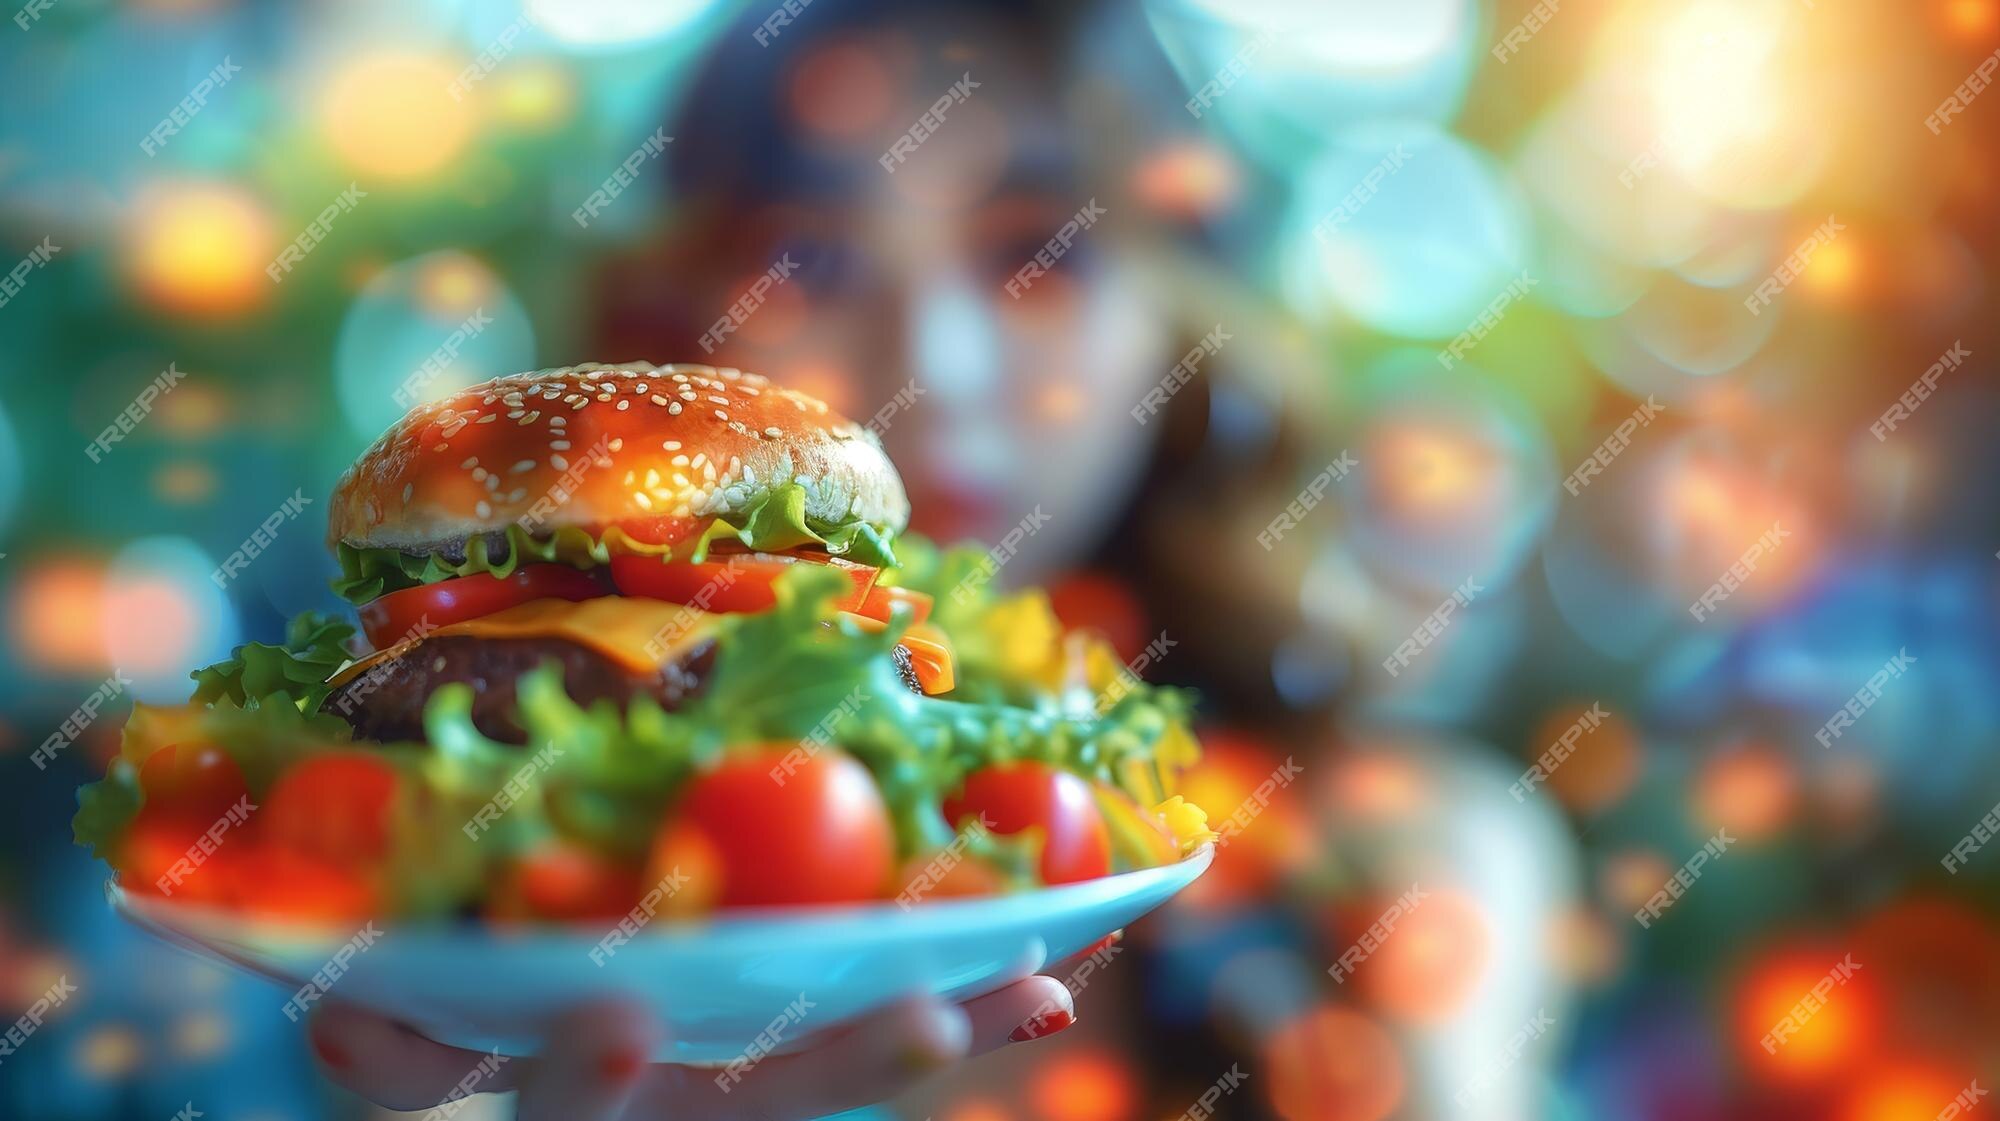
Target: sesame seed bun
657	451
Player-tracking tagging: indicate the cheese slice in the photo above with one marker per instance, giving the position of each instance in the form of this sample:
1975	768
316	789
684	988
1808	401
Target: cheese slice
639	634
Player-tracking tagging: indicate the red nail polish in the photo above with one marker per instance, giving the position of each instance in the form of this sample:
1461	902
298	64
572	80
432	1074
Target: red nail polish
329	1052
1048	1023
621	1066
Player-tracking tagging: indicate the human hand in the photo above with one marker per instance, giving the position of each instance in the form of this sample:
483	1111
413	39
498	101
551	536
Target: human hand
595	1068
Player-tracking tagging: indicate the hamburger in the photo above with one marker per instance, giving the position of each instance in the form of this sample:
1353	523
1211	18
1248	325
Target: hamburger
633	633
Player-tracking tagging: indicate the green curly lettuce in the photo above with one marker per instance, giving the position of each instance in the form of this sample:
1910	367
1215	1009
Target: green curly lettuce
773	521
294	672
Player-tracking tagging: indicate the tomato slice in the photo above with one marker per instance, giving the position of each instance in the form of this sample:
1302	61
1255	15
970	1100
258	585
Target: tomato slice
412	611
881	601
337	808
737	584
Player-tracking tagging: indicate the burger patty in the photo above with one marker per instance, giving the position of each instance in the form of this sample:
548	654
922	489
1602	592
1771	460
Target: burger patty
386	702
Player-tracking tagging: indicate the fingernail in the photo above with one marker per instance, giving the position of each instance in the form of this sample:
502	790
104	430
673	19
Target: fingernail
329	1052
621	1066
1048	1023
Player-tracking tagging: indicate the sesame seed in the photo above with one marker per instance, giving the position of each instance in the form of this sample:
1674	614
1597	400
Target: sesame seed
674	408
652	477
681	511
559	445
680	480
408	490
517	494
722	415
718	398
493	482
579	403
623	405
644	500
559	463
470	462
489	418
483	509
680	460
773	430
672	445
617	444
478	474
524	465
640	388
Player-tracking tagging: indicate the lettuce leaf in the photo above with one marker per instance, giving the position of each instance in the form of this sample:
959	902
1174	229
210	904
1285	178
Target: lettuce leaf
293	673
773	521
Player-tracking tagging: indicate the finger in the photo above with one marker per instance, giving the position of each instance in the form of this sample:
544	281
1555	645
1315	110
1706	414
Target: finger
1024	1010
591	1065
874	1058
392	1066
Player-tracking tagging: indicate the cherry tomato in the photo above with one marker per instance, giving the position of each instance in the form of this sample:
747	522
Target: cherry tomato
274	883
335	808
408	613
786	830
168	855
1017	796
195	783
566	883
740	583
881	601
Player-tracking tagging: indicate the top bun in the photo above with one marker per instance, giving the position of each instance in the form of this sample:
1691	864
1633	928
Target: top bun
657	451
